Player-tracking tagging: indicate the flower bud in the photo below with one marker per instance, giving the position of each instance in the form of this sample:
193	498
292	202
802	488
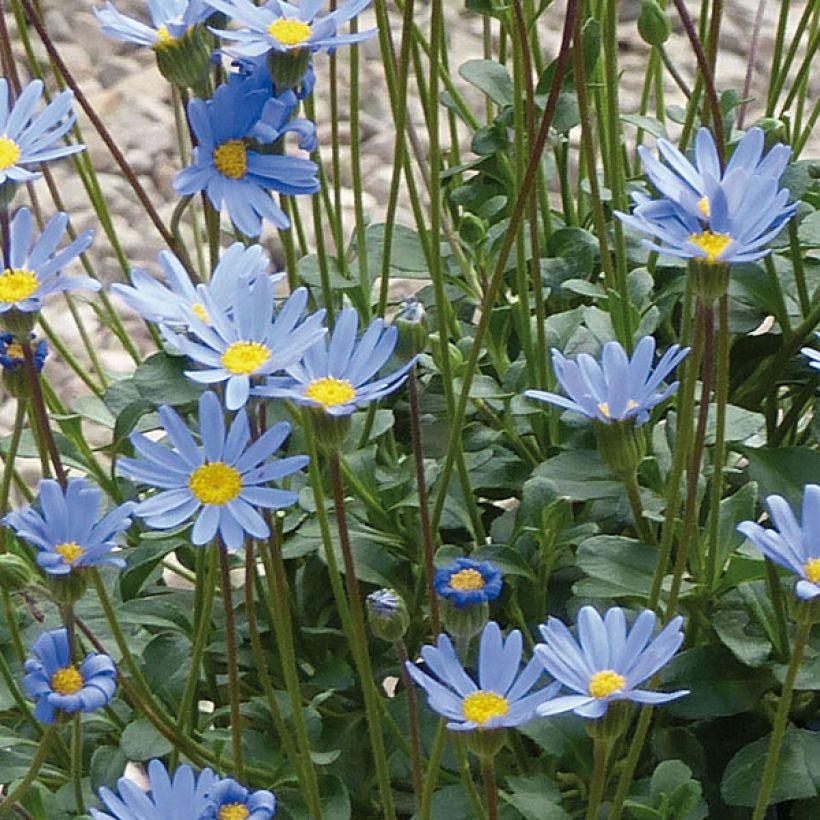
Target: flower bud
774	131
411	322
66	590
464	622
472	229
184	61
288	68
387	614
653	23
15	572
621	445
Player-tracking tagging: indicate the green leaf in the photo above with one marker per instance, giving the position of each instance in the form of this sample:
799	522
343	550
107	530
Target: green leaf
798	769
141	741
738	628
808	232
508	560
580	475
738	507
161	379
783	470
107	766
617	566
490	77
141	562
536	797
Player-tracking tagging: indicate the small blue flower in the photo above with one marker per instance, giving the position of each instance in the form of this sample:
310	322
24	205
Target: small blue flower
813	356
607	662
29	140
244	341
185	797
502	697
229	171
223	480
618	388
706	215
170	304
66	529
171	20
467	582
58	686
11	354
229	799
34	267
795	547
338	376
281	26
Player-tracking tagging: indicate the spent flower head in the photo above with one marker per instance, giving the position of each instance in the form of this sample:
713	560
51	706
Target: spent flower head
606	662
793	545
708	215
340	375
619	387
65	527
183	797
57	685
223	481
502	697
26	139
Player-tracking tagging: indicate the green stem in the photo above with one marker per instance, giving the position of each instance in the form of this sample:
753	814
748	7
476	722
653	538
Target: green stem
642	526
77	761
412	720
466	774
8	465
490	788
31	774
775	588
234	695
804	624
596	788
433	768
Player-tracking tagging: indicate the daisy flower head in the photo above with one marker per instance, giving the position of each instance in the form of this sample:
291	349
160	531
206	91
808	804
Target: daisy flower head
246	341
812	355
222	481
502	697
57	685
607	662
65	527
34	268
287	27
228	800
26	139
618	387
466	582
713	216
793	545
340	375
234	175
170	303
183	797
170	21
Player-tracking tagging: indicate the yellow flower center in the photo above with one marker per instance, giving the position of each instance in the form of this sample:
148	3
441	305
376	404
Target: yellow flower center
14	351
215	483
289	32
481	706
467	579
231	159
603	684
67	681
812	570
242	358
712	243
233	811
9	153
201	313
70	551
604	406
704	207
330	391
16	284
164	38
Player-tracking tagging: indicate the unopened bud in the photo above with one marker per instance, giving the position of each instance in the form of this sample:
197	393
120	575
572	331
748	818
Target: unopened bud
411	322
653	23
472	229
387	614
15	572
185	61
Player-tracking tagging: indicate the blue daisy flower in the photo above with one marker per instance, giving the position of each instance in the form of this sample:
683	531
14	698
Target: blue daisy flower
501	699
466	582
11	354
229	799
33	270
171	20
281	26
57	685
607	662
795	547
618	388
169	304
813	356
29	140
709	216
244	341
222	481
339	376
230	172
185	797
66	529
